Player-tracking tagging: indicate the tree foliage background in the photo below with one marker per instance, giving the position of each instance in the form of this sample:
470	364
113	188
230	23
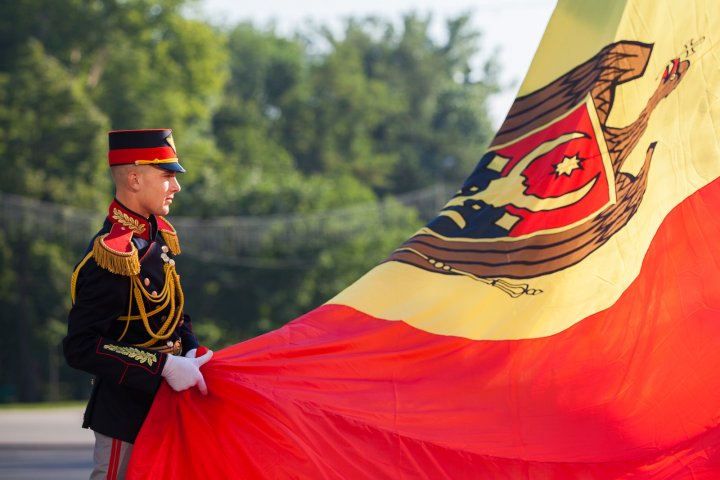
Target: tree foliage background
265	124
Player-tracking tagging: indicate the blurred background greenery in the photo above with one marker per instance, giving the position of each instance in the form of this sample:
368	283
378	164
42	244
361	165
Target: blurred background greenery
310	157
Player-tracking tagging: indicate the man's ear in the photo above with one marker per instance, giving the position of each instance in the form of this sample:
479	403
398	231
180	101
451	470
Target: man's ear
133	180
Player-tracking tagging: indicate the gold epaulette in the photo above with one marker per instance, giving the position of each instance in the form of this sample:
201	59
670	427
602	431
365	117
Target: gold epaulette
113	252
116	261
169	235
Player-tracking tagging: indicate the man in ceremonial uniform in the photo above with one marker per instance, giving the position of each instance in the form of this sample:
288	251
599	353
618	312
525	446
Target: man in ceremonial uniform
128	325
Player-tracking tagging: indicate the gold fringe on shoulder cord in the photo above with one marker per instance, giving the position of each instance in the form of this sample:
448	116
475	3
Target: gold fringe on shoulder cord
171	238
171	241
120	263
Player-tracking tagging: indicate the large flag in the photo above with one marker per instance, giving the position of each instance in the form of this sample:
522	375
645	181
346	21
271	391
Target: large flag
559	318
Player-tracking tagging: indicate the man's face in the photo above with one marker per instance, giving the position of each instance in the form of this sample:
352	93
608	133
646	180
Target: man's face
157	188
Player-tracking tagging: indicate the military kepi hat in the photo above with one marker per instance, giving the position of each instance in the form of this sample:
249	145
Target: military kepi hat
144	147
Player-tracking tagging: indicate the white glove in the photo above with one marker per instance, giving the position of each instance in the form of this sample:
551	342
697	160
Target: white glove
182	373
191	353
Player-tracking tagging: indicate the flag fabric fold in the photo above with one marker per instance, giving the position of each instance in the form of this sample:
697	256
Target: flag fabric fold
559	318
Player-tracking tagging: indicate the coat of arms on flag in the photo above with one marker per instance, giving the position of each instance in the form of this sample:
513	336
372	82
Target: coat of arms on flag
548	194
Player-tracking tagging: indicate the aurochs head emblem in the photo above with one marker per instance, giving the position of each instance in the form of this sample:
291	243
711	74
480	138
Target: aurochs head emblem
550	190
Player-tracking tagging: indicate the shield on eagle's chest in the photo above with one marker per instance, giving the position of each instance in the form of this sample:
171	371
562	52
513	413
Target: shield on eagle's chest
547	180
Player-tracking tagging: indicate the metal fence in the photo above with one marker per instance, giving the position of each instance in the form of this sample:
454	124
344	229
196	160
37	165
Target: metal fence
226	239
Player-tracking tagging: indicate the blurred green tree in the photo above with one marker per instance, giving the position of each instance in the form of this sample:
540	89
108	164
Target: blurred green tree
51	140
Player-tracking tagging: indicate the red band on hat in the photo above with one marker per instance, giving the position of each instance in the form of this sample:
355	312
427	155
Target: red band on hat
130	155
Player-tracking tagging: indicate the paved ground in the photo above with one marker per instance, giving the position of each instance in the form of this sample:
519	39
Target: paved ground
45	462
44	445
59	426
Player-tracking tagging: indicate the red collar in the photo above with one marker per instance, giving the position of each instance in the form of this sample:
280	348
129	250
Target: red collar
118	214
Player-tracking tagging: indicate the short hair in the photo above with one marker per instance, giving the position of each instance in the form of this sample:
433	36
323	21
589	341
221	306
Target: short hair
120	172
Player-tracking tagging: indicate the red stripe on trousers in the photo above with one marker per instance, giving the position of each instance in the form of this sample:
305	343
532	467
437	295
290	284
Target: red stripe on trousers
114	459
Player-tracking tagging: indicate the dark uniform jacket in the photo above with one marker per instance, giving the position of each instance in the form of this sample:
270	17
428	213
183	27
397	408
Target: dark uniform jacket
127	316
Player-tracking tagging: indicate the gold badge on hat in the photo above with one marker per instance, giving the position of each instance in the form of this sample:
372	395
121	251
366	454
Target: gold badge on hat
170	140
